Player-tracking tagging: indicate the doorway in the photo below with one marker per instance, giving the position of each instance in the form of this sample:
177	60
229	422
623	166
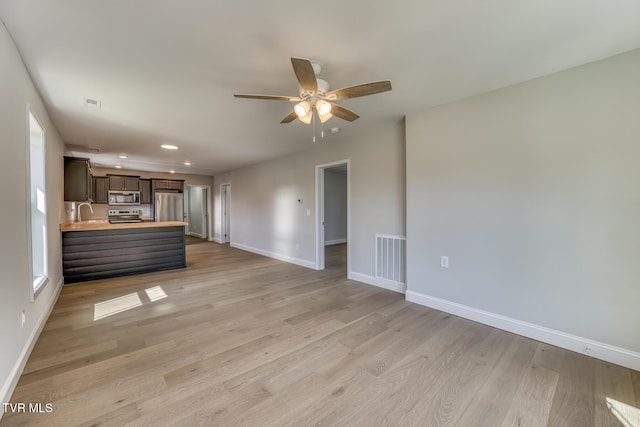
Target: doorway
197	210
333	227
225	213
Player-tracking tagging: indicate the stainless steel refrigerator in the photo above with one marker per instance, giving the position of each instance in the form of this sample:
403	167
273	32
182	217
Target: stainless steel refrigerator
169	207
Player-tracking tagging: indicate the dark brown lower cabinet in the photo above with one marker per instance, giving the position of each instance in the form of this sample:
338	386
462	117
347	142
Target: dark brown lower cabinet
100	254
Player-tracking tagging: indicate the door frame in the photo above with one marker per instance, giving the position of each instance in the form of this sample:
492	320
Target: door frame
209	233
225	222
320	248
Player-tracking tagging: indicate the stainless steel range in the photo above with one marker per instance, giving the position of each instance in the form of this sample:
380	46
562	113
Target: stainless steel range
119	216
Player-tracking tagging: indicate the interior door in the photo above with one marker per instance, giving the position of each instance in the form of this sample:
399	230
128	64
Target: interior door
197	211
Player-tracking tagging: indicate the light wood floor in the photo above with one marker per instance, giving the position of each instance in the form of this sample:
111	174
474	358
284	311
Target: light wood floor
245	340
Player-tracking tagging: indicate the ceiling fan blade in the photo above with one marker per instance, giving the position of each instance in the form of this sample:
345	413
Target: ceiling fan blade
343	113
305	75
275	98
291	117
359	90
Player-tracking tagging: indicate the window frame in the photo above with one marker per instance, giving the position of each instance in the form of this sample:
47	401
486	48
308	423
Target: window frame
35	288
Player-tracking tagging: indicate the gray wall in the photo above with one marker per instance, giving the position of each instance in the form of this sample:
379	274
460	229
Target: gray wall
265	214
533	192
16	90
335	206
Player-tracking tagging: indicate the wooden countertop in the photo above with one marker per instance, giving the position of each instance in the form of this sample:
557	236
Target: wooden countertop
90	226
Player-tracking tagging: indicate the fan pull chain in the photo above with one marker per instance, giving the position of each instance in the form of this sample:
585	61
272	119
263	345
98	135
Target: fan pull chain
322	129
313	120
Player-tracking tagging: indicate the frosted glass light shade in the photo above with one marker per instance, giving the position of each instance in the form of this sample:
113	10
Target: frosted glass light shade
323	107
324	117
302	109
306	118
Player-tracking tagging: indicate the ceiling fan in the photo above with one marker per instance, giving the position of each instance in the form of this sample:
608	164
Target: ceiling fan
315	95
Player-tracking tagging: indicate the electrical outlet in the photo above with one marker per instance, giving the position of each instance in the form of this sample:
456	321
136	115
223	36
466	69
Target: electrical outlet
444	261
24	318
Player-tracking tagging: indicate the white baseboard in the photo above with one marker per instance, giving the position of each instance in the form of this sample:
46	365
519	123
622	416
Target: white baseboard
10	384
199	236
285	258
335	242
376	281
606	352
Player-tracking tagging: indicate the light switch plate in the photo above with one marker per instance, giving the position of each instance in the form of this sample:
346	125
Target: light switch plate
444	261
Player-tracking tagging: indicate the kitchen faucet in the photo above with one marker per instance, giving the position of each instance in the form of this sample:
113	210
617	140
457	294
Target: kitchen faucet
81	205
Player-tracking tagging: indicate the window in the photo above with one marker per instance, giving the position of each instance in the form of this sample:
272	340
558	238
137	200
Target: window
37	226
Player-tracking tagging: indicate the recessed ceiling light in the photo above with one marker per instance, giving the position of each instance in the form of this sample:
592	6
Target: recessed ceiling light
172	171
124	156
118	167
187	163
169	146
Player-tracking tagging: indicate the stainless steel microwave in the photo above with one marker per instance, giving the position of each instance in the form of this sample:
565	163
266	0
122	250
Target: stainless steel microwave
124	198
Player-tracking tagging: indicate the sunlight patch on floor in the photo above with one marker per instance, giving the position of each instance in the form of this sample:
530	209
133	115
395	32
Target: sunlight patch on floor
126	302
116	305
628	415
156	293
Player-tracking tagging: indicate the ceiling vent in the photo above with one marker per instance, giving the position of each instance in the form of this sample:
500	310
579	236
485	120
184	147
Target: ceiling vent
92	103
94	150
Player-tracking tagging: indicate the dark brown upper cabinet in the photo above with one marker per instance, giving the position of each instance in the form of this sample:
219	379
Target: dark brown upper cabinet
168	184
101	189
124	183
78	184
145	191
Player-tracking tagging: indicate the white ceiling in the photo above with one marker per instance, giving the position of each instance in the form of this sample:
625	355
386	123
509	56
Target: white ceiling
166	71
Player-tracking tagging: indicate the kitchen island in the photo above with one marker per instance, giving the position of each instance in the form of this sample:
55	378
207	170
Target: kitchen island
99	250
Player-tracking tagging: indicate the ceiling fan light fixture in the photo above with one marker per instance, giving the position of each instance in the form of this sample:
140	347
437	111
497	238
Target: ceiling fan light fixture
323	107
302	109
315	98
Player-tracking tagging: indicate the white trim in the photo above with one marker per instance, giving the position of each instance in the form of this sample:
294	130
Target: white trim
379	282
599	350
223	223
10	384
320	244
285	258
217	239
335	242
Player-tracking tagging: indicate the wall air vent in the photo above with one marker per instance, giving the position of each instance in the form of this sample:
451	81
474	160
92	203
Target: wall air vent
391	258
92	103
